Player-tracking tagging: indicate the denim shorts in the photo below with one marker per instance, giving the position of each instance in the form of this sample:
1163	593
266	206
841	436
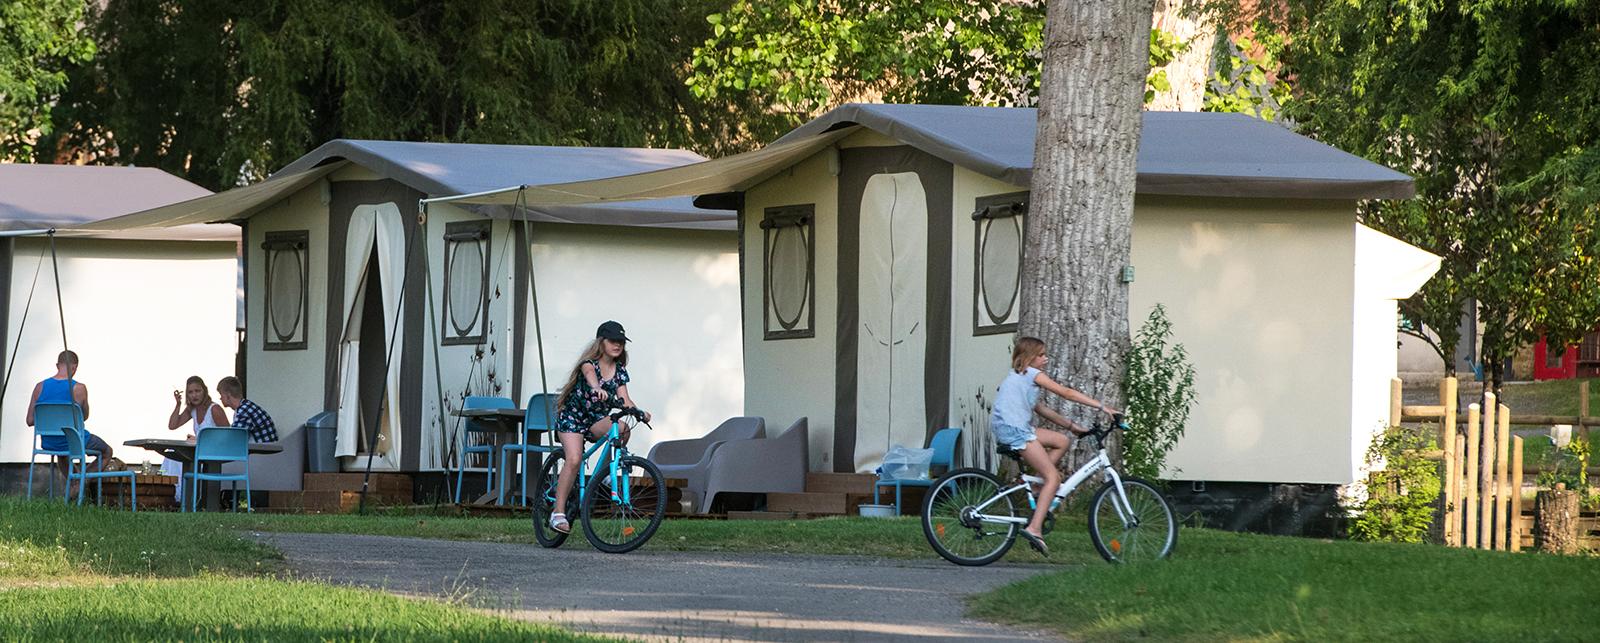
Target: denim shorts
1011	436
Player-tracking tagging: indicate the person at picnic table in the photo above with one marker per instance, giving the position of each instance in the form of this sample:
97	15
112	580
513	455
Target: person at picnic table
246	414
192	408
62	388
598	382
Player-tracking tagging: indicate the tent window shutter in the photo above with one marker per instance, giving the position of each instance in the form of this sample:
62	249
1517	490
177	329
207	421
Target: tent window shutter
288	261
997	257
789	283
466	282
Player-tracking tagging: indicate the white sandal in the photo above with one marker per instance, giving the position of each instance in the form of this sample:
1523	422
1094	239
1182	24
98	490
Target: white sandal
559	523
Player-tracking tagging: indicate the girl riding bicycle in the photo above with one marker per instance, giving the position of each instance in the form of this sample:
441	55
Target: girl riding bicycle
598	382
1012	423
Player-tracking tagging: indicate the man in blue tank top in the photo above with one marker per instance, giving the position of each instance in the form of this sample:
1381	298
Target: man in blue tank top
63	389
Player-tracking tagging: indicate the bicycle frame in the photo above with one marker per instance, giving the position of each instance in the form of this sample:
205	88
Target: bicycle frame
610	446
1100	464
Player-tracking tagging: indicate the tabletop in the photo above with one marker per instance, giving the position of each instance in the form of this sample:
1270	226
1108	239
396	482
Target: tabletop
185	448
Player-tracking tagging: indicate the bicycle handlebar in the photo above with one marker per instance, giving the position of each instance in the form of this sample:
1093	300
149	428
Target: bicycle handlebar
618	412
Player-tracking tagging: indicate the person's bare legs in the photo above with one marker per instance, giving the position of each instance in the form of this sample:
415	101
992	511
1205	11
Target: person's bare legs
1037	457
1055	444
572	454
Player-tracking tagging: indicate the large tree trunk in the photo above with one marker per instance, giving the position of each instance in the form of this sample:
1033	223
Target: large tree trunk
1085	164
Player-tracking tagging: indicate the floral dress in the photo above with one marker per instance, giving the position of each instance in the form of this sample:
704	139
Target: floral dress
584	407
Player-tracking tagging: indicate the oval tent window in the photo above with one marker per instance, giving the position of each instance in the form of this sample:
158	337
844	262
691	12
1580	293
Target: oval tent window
466	287
789	278
1002	263
286	293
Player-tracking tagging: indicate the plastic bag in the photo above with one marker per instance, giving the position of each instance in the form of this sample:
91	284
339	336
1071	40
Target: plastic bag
902	463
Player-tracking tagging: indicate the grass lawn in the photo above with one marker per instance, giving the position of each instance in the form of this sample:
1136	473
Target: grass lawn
69	573
1553	397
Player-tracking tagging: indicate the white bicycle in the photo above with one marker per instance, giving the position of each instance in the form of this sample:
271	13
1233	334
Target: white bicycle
970	518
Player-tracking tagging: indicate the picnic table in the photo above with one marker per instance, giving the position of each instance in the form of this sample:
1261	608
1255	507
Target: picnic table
504	425
183	451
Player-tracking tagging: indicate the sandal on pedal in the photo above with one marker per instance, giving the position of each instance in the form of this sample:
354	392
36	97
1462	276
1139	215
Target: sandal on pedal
559	523
1035	542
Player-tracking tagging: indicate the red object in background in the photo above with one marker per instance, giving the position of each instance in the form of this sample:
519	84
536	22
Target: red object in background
1565	368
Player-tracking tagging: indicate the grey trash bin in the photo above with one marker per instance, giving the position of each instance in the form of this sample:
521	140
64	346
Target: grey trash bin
321	431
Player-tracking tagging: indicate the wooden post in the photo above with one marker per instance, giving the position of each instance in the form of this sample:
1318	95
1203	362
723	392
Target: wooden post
1461	503
1469	482
1395	398
1485	481
1583	408
1555	526
1516	494
1502	461
1447	442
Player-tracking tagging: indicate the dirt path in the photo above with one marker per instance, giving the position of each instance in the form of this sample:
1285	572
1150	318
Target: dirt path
671	595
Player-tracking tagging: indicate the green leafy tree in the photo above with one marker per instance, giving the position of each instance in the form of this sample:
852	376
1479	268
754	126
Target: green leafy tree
1159	384
1494	107
223	92
39	41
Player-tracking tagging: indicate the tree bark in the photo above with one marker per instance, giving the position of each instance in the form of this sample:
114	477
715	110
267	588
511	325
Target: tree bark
1555	521
1079	227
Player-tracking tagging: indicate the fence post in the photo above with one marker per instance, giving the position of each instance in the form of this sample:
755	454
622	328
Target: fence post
1485	479
1470	481
1516	493
1583	409
1501	488
1396	396
1447	441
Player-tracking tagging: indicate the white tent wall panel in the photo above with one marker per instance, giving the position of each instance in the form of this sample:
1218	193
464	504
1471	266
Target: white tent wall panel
288	384
143	316
978	362
1259	293
675	291
786	379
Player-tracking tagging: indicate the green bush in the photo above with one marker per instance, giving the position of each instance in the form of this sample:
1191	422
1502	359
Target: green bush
1402	487
1160	389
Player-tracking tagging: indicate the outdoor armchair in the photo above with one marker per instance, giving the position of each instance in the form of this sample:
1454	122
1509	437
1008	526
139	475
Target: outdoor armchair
762	465
690	460
78	469
944	454
48	422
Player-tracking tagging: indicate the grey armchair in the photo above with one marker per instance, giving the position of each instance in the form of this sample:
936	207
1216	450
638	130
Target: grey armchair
690	460
767	465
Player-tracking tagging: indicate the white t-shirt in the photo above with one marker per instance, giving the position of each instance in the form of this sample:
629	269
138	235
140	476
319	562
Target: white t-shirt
1013	404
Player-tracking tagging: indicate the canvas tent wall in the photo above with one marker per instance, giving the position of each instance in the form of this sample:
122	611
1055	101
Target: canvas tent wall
1244	230
143	309
331	239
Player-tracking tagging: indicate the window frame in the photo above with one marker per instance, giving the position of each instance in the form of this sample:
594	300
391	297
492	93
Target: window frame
803	217
986	210
298	241
456	233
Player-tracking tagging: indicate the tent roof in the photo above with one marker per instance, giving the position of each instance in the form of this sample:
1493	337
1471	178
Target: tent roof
455	168
34	197
1181	153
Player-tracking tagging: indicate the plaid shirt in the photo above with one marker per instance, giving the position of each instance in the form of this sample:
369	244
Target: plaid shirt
250	416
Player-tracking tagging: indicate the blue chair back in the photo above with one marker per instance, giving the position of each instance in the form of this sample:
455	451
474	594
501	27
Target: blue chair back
944	447
541	414
485	402
75	446
222	444
50	418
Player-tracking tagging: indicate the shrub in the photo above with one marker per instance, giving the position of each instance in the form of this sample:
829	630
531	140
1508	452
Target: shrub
1160	387
1402	487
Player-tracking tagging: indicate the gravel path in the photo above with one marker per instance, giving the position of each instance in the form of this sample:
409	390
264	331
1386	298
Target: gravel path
671	595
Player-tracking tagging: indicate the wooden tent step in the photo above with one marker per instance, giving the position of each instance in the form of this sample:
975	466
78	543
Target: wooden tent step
819	482
386	483
769	515
836	504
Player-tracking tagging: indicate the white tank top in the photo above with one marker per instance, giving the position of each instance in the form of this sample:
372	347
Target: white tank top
202	419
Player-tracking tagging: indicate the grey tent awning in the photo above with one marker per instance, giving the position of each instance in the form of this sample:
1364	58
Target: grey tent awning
71	197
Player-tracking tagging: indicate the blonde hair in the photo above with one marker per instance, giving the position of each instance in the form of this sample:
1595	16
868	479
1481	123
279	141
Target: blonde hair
1026	349
593	352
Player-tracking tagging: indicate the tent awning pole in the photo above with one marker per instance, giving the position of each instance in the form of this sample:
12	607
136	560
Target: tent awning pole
474	195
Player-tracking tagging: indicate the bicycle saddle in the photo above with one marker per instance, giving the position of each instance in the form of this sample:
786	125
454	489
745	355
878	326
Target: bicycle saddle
1007	451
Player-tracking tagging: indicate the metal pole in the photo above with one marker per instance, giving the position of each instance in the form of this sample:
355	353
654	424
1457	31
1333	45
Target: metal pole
61	310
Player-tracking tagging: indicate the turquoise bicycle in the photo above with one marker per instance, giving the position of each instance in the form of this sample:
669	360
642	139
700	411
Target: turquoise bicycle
623	499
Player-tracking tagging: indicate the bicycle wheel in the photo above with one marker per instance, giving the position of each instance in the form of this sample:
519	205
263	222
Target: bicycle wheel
1150	534
617	526
949	518
544	497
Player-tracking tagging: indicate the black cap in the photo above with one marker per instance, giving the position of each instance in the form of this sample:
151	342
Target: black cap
611	330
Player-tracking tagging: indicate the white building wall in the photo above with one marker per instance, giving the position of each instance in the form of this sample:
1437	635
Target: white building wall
142	315
1260	295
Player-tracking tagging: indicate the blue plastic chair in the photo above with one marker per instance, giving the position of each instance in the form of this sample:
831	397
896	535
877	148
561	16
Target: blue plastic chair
474	426
48	421
944	454
78	469
541	416
219	444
